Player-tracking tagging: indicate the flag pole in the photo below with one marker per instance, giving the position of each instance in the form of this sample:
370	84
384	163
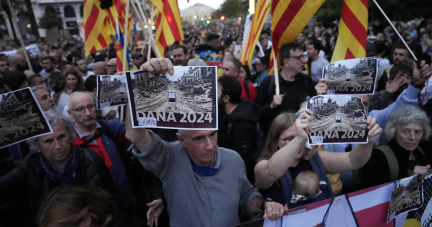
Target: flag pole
125	39
276	73
18	33
143	20
395	30
118	34
150	32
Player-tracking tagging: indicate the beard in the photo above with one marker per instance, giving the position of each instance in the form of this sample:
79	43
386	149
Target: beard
21	68
221	103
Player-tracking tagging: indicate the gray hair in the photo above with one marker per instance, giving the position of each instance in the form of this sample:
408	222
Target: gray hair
235	61
405	115
54	118
35	88
196	62
91	95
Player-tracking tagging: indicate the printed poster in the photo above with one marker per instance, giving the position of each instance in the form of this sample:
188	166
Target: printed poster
33	49
406	196
423	215
337	119
353	76
185	100
111	91
21	117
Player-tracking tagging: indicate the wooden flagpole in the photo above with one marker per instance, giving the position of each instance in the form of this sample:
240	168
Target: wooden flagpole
276	73
18	33
150	32
125	39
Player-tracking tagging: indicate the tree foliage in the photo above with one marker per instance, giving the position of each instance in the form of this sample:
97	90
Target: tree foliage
50	20
396	10
231	8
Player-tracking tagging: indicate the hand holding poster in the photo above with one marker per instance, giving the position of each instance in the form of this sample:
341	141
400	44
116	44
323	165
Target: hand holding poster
111	91
353	76
337	119
21	117
185	100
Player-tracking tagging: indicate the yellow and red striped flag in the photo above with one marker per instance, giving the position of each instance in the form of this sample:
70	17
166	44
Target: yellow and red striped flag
169	28
97	25
261	13
289	17
352	31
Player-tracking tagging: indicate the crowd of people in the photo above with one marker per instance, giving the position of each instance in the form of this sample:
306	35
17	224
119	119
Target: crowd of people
97	170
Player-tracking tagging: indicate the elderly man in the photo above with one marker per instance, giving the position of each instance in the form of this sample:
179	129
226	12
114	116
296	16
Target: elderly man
205	185
44	98
100	68
231	67
100	136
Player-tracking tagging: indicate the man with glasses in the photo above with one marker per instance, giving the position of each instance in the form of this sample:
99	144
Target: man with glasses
100	136
294	86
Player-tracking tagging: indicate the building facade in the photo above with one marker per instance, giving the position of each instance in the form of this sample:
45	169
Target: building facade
196	12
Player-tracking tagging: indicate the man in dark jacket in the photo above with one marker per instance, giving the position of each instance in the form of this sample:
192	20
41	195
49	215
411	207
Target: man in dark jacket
237	122
293	84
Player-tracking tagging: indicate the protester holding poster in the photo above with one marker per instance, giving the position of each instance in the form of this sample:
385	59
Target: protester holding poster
53	163
205	185
286	154
405	129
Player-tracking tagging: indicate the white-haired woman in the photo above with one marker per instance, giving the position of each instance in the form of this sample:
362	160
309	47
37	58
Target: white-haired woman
55	162
402	157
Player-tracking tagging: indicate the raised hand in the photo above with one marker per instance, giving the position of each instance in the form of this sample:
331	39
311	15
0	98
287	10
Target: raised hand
303	124
374	129
158	65
321	88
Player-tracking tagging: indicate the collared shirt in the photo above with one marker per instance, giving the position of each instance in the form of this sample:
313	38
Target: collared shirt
81	136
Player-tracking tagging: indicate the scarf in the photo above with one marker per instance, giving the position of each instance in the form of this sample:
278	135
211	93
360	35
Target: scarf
62	176
205	170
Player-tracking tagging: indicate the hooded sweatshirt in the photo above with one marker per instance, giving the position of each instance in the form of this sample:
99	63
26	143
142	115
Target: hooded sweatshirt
238	131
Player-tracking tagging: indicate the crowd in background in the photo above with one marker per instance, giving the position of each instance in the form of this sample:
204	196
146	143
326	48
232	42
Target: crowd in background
85	173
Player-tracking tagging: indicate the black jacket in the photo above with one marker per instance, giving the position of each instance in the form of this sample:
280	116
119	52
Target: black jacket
381	100
29	181
377	171
238	131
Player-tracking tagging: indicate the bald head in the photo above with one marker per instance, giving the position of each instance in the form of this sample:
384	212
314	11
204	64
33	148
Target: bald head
112	66
100	68
16	62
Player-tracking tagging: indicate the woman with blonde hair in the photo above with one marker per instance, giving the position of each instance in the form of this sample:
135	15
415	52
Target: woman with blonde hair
286	154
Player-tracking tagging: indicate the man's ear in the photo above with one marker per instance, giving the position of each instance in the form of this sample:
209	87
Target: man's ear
226	98
181	138
285	62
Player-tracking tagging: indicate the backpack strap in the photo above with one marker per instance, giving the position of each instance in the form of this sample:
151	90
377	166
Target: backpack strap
246	87
106	129
391	160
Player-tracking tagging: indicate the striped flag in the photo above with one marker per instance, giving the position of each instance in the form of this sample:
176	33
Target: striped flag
169	28
289	17
119	54
352	31
261	13
97	25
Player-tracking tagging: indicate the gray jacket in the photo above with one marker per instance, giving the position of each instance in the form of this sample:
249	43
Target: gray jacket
195	200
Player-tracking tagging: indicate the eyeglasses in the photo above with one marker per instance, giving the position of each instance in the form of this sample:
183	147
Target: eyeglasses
300	57
407	133
81	109
286	140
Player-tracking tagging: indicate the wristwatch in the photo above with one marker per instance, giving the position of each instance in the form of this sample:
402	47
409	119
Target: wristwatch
262	207
418	86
